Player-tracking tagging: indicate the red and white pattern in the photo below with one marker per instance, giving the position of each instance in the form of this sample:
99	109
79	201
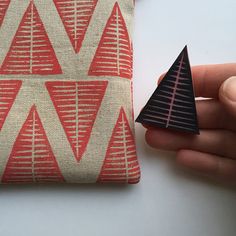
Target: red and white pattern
32	159
8	92
77	105
31	51
57	111
114	54
76	16
3	8
120	164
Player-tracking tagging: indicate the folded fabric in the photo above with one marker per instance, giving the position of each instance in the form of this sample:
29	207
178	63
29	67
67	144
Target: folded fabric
66	92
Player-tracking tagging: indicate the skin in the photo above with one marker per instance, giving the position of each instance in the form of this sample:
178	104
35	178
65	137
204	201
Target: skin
213	152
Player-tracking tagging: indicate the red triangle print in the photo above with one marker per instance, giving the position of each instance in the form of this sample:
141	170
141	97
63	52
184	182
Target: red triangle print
32	159
77	105
121	164
31	51
8	92
76	16
114	55
3	8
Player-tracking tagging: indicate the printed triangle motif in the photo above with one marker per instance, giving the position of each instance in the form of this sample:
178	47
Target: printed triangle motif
76	16
172	105
121	164
8	91
32	159
3	8
77	105
114	54
31	51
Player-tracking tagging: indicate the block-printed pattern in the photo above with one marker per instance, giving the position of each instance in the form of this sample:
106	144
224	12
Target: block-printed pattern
78	104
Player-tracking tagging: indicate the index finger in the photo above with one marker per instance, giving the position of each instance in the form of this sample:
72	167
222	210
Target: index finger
207	79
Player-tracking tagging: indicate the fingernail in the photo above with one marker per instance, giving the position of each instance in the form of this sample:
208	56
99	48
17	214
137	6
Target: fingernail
229	89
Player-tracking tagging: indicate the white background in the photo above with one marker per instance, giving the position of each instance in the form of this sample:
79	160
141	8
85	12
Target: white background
169	201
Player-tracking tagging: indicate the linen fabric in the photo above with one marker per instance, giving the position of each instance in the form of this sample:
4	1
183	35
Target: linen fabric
66	92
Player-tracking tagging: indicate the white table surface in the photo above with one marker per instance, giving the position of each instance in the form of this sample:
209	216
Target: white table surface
169	201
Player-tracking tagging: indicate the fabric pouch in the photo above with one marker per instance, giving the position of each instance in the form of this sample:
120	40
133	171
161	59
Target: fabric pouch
66	91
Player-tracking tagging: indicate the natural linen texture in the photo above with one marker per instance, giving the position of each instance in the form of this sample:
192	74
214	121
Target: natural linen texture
66	91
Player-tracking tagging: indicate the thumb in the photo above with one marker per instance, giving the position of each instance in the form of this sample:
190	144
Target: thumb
227	95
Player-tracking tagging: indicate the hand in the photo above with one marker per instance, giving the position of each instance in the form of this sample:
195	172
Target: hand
213	152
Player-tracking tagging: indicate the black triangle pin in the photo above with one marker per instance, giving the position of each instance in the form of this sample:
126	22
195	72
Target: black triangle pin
172	105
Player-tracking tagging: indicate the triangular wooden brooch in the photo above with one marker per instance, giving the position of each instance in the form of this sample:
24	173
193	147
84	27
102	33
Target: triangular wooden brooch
172	105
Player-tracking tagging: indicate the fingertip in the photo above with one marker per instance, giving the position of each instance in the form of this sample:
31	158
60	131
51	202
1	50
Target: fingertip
161	138
207	79
161	78
154	138
227	95
149	137
228	87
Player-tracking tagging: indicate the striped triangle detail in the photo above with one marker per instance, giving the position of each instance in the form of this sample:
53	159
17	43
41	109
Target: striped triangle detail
77	105
114	53
32	159
172	105
3	9
121	164
8	92
76	16
31	51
